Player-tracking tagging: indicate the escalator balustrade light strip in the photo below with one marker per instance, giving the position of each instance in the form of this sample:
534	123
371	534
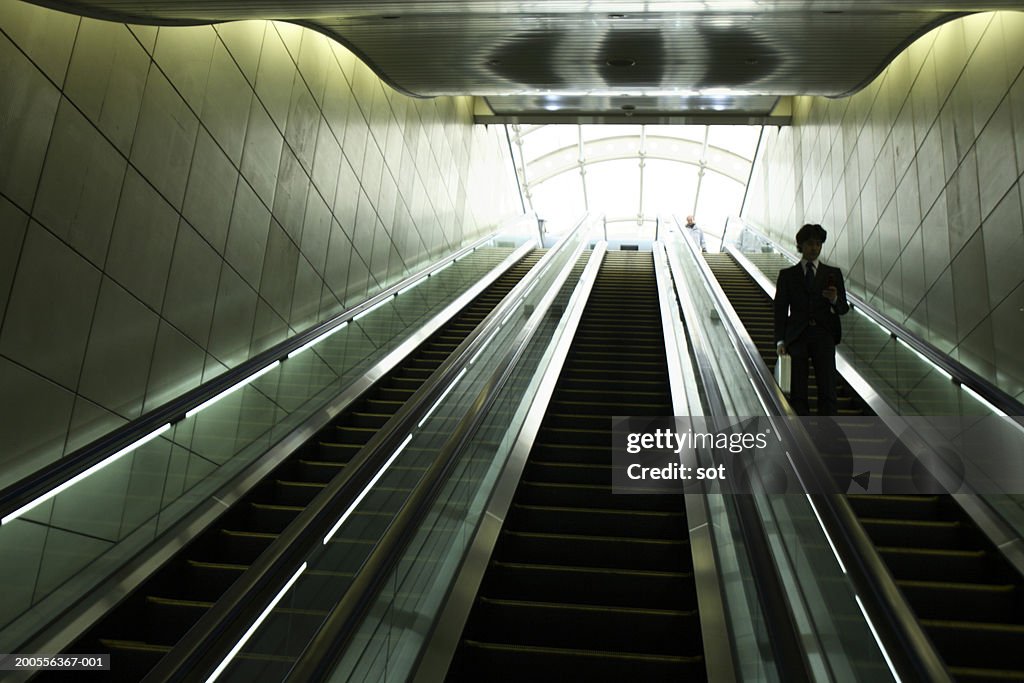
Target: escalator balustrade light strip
438	270
529	289
254	376
814	509
413	285
481	350
442	397
316	341
82	475
366	490
983	401
922	357
874	322
508	316
255	625
878	641
371	309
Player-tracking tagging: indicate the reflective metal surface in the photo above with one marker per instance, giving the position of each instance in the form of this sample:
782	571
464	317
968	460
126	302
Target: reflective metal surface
605	57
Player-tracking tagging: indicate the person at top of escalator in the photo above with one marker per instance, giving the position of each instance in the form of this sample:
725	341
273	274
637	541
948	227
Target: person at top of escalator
696	233
809	298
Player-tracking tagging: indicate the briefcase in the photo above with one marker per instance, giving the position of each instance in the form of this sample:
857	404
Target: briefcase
783	372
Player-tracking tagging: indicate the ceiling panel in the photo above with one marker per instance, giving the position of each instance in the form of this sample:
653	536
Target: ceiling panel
654	59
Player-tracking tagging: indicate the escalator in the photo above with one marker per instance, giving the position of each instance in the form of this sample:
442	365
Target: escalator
149	622
968	598
584	584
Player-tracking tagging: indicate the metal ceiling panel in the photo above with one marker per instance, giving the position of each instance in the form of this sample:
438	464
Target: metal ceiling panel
657	59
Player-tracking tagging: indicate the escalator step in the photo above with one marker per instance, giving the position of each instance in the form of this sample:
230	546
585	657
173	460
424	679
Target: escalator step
594	551
271	518
964	601
588	585
514	664
573	626
597	521
169	619
590	496
978	645
299	493
568	473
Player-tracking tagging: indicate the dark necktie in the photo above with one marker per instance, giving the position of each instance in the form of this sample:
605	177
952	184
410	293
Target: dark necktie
809	277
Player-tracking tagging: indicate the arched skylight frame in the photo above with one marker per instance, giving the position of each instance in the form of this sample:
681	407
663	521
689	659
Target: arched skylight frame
634	174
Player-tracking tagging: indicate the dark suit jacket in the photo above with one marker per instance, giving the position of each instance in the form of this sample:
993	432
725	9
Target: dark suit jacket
795	307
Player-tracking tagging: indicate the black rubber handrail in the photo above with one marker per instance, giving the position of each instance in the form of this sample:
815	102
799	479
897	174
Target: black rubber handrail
907	646
208	641
53	475
960	373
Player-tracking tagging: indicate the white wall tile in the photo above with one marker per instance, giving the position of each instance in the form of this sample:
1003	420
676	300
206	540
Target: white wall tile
46	38
293	185
184	55
225	110
89	422
107	78
1003	235
50	309
279	264
247	235
211	186
177	367
198	274
997	158
142	241
244	40
192	285
261	155
80	184
164	138
233	317
274	78
29	399
120	352
30	105
956	154
15	222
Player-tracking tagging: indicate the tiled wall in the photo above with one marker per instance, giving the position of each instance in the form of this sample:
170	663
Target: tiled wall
917	178
174	200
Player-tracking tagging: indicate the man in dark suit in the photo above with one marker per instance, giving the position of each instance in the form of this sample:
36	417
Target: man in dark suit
809	298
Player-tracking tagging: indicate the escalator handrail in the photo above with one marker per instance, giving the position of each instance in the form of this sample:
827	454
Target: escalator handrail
237	608
59	473
321	655
783	631
896	625
960	373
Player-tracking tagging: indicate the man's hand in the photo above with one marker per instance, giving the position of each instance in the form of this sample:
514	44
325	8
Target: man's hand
830	293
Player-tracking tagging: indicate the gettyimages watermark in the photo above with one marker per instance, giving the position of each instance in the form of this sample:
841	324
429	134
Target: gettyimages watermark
894	455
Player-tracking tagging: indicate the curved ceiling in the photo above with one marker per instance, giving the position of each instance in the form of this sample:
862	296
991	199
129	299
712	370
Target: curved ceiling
710	59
